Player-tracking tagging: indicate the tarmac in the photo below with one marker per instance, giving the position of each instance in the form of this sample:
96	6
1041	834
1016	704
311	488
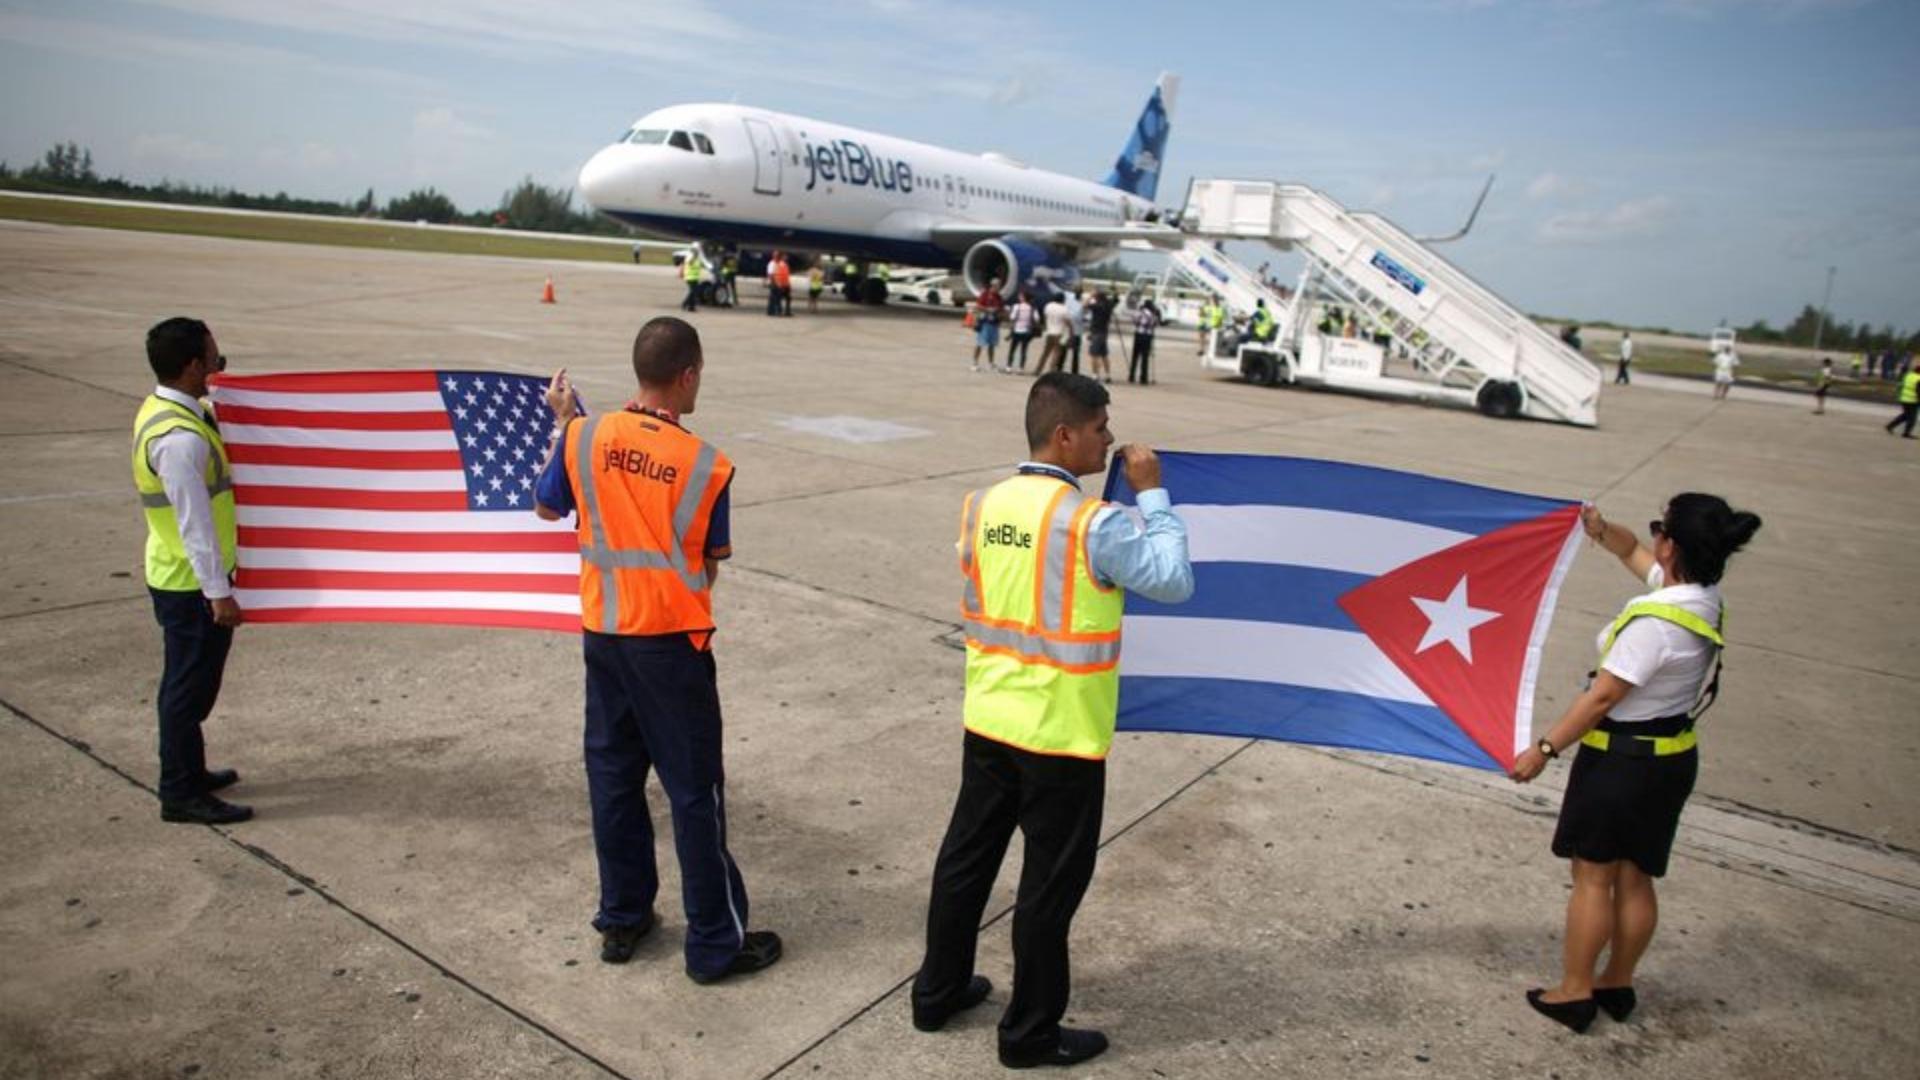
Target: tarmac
413	898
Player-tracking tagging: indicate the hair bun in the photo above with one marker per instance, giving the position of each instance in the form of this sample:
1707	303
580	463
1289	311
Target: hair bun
1738	529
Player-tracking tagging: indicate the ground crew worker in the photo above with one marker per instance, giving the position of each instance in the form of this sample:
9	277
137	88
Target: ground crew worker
779	286
816	284
653	522
725	296
181	469
1909	401
690	273
1042	567
1210	319
1262	325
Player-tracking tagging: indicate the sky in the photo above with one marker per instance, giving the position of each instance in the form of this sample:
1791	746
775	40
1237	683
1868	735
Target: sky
1666	163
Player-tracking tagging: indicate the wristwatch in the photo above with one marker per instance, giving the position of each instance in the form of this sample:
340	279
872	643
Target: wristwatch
1545	746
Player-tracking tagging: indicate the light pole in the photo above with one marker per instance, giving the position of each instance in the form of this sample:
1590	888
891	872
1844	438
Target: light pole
1820	328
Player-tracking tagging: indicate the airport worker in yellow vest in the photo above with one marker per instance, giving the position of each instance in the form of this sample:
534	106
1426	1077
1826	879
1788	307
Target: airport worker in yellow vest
185	481
1210	320
652	503
1262	325
1909	401
1042	569
690	272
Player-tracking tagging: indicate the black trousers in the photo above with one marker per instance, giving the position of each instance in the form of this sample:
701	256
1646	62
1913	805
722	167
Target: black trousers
653	704
196	658
1908	411
1056	802
1137	371
692	299
1073	353
1620	376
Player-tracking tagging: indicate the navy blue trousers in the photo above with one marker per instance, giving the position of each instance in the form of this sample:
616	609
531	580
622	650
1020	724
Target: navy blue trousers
1056	802
653	704
196	658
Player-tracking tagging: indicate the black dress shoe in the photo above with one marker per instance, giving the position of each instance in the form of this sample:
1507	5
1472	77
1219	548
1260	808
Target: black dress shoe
976	992
1074	1047
1618	1001
205	810
617	943
1577	1015
219	779
760	950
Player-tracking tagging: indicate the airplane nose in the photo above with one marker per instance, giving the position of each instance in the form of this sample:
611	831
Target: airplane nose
600	178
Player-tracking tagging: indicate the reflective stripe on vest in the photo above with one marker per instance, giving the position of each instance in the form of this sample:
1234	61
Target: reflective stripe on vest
167	566
1043	633
1686	620
1658	745
685	604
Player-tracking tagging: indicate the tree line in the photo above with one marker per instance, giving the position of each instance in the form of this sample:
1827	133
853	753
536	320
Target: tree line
67	169
1833	336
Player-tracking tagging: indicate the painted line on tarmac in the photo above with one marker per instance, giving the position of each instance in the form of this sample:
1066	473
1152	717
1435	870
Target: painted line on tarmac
1008	910
8	356
275	863
69	607
9	500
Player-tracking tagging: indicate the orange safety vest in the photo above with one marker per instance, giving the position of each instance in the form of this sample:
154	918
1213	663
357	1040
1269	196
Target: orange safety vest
646	489
782	274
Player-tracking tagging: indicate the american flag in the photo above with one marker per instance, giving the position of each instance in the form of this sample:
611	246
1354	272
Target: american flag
396	496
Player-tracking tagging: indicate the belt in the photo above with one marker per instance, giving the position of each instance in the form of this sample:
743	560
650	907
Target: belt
1640	745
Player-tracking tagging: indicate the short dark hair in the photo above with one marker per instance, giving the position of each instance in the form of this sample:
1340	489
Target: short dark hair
664	348
174	343
1061	397
1705	530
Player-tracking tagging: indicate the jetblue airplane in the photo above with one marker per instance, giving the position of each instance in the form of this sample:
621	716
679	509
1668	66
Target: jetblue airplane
731	175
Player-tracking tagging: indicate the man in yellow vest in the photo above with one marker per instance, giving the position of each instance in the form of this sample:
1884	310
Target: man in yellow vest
181	471
690	272
1042	568
653	522
1211	318
1909	400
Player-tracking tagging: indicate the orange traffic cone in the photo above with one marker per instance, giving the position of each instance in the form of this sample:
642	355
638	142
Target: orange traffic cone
546	294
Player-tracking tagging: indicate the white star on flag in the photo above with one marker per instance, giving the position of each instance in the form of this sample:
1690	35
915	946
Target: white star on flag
1452	621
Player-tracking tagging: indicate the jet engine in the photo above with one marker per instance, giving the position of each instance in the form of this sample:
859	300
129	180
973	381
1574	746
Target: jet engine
1019	263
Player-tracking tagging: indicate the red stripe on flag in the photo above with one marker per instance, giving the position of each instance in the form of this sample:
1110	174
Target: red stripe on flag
337	421
356	540
343	499
335	382
325	458
511	620
560	584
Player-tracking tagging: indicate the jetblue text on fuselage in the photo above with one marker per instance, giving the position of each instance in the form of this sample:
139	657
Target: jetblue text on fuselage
849	162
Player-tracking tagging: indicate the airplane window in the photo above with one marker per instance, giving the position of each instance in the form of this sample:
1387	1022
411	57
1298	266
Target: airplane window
701	141
647	136
680	141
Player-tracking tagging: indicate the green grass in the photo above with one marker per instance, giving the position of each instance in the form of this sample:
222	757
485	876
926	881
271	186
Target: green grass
1780	373
315	230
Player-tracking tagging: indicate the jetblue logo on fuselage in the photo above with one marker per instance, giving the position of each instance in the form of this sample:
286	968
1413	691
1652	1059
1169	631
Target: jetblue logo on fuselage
848	162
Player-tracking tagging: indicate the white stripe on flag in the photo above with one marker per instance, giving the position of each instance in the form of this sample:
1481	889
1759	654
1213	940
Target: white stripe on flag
351	479
335	438
370	401
412	562
1306	536
273	599
1263	652
399	521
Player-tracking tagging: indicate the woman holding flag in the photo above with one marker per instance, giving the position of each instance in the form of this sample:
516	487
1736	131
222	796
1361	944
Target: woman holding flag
1659	669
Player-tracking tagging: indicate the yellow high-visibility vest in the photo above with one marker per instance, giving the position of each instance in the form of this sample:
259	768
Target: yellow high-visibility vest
1910	388
168	568
1043	633
690	270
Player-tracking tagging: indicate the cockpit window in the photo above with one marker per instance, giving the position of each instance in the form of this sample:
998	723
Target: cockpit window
646	136
680	141
701	141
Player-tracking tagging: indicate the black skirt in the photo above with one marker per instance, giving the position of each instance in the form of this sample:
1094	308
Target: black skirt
1623	807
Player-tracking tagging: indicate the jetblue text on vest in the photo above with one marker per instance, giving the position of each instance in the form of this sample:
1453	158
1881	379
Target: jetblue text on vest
1007	535
624	459
849	162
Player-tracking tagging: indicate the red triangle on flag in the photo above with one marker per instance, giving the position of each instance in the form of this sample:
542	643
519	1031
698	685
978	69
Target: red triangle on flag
1460	624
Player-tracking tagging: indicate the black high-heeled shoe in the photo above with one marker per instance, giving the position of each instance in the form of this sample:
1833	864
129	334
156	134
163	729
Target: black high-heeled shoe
1618	1001
1577	1015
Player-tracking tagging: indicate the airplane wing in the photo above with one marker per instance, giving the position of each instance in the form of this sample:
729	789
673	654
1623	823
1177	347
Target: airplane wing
959	237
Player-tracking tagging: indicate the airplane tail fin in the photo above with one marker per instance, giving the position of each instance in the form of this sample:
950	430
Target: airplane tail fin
1137	172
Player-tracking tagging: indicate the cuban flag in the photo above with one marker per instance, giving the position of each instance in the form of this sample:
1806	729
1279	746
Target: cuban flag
1349	606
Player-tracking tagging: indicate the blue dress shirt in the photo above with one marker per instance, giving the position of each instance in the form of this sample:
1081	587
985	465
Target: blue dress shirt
1150	560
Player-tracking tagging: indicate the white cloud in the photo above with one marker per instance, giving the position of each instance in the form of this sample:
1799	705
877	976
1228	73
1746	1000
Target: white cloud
1550	185
165	150
444	144
1635	217
1779	9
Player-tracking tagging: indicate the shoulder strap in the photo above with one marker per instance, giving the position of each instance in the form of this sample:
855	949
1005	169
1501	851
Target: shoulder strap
1686	620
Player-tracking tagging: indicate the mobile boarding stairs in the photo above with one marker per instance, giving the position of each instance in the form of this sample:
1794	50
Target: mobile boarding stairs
1421	328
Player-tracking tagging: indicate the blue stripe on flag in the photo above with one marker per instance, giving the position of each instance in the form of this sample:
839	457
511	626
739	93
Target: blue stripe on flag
1256	479
1261	592
1295	714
